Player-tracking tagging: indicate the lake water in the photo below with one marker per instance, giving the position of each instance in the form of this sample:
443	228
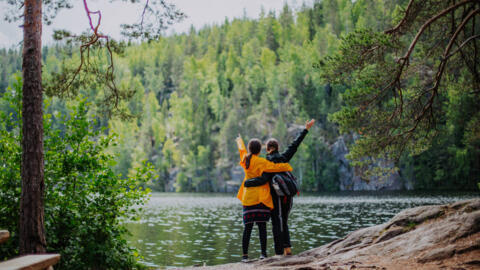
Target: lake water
193	229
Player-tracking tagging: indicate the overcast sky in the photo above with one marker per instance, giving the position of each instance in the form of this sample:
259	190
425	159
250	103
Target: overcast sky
199	12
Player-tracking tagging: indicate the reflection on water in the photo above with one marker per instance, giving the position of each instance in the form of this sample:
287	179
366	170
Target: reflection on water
193	229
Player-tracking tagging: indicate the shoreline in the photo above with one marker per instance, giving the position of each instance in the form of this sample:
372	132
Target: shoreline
427	237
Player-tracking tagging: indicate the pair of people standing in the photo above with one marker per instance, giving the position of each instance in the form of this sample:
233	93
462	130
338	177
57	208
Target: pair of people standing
259	200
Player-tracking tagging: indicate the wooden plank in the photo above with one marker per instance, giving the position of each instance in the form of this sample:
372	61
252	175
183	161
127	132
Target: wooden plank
30	262
4	235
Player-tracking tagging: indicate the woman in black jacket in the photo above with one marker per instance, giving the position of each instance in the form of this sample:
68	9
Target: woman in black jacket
282	204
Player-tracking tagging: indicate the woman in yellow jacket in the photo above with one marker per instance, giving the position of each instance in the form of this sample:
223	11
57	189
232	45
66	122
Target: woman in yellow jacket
257	201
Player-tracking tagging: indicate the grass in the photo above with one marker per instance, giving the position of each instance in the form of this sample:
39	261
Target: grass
410	226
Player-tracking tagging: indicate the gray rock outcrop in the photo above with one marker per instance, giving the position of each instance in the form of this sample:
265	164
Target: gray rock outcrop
351	179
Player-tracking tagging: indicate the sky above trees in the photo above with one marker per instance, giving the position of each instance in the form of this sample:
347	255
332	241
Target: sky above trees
113	14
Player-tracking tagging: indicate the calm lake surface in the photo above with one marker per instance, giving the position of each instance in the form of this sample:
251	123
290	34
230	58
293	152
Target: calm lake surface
190	229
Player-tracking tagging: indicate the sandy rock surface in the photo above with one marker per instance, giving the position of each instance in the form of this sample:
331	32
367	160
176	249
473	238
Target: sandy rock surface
426	237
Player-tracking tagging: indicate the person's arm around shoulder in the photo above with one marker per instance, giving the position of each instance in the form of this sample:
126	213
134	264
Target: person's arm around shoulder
255	182
269	166
292	148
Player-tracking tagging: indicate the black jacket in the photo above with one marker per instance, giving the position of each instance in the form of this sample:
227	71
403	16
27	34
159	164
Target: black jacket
277	157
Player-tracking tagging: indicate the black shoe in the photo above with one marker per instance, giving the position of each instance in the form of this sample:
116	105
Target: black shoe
244	258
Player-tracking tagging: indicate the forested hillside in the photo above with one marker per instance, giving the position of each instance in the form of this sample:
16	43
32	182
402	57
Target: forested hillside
258	77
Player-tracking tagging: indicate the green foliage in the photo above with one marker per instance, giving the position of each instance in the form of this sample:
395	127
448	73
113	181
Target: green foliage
10	62
194	92
319	166
408	92
85	201
410	226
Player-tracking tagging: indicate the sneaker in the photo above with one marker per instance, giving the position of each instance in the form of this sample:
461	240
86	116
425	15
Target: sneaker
263	256
287	251
244	258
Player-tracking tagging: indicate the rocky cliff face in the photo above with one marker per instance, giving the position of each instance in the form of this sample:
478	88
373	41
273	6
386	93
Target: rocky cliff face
350	179
426	237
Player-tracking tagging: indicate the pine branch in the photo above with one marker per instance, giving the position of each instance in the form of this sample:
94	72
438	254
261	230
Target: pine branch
462	45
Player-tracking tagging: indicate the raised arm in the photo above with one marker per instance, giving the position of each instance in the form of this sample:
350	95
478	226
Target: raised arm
292	148
242	150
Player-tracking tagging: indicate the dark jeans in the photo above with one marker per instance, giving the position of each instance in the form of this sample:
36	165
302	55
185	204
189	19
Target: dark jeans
281	235
247	232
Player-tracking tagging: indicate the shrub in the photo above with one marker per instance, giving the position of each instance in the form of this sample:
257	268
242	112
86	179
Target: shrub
85	202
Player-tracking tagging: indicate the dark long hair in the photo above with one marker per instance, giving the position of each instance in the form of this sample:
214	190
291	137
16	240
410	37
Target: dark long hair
272	144
254	147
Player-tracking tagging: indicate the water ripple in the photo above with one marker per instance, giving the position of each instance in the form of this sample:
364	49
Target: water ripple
189	229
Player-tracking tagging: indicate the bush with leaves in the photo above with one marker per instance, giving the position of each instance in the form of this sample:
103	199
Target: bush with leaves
85	201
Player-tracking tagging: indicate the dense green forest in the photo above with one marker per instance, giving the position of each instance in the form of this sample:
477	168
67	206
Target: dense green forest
194	92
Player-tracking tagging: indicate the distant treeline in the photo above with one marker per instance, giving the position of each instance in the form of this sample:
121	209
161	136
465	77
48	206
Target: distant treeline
258	77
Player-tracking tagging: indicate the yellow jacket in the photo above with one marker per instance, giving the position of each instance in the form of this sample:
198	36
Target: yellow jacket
261	194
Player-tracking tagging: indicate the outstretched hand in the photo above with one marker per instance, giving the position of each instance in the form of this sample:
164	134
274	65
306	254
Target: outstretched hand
309	124
239	141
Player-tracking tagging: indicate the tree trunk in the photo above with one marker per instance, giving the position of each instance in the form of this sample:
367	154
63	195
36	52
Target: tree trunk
31	229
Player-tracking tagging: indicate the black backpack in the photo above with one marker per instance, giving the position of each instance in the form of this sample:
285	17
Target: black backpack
285	184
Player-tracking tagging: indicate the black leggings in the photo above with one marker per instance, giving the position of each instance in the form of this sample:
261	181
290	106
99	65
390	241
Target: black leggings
247	232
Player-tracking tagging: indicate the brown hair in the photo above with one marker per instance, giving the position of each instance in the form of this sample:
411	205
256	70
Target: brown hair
272	144
254	147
